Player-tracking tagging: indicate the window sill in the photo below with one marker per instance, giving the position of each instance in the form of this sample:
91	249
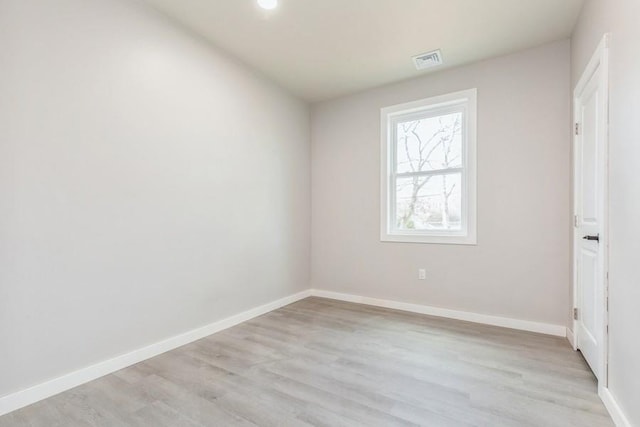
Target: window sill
429	239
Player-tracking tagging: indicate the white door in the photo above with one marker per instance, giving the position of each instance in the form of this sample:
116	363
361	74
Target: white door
590	108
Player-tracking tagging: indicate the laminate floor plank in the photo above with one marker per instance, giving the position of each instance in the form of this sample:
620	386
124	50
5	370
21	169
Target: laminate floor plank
320	362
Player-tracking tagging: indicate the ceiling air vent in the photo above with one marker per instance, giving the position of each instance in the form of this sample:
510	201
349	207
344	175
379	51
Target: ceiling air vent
428	60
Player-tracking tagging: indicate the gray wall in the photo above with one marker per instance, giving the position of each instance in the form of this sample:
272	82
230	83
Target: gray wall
620	18
148	185
521	266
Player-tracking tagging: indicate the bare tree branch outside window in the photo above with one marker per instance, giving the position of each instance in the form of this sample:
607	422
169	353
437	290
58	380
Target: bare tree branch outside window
429	201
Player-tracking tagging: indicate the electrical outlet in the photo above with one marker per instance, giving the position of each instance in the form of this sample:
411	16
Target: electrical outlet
422	274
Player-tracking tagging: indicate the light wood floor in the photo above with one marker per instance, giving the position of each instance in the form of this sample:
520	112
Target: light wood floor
325	363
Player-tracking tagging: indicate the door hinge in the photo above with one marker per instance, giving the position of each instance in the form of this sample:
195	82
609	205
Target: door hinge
575	220
577	128
575	314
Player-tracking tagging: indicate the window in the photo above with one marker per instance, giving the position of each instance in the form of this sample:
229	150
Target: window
428	183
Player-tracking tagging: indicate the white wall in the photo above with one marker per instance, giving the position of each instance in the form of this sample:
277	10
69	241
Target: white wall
149	184
521	266
620	18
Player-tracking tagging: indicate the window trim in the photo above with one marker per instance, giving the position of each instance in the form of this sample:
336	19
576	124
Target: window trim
465	101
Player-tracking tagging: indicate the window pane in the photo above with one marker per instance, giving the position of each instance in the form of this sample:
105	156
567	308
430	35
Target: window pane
429	144
429	202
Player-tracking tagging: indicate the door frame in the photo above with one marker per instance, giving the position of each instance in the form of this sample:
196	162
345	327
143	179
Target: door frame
599	61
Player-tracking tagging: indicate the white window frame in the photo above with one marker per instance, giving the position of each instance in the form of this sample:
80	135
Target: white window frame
464	101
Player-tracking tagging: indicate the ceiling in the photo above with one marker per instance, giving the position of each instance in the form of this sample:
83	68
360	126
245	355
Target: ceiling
319	49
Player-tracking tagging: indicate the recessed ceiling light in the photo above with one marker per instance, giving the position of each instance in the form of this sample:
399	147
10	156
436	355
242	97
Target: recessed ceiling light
268	4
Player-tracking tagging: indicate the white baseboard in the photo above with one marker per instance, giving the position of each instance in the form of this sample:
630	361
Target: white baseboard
619	418
571	338
41	391
505	322
52	387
